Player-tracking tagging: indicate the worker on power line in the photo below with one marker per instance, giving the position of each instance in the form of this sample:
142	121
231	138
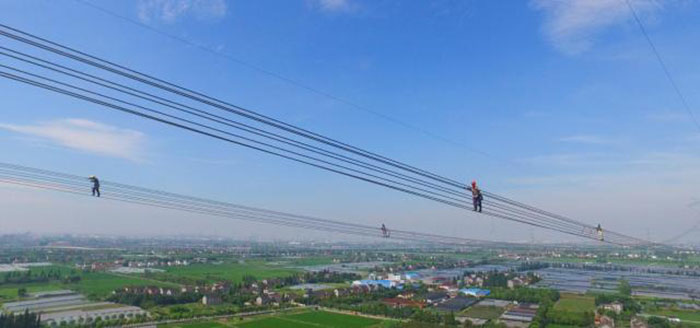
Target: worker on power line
95	185
477	197
600	232
385	231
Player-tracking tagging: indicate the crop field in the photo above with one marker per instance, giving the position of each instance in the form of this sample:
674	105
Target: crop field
681	314
575	303
312	319
91	284
483	312
102	284
206	324
229	271
301	320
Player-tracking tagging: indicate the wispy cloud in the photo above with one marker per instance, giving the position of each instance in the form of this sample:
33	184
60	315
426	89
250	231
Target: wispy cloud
86	135
333	6
573	25
589	139
667	116
169	11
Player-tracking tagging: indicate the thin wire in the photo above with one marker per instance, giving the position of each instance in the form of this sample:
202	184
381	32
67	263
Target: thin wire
667	72
552	225
228	107
297	83
189	128
286	127
67	183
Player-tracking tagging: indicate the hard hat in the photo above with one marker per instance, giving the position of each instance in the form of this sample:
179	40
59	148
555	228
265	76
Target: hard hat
474	183
92	176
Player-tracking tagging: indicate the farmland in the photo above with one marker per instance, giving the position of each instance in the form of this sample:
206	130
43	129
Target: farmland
575	303
483	312
232	271
92	284
680	314
300	320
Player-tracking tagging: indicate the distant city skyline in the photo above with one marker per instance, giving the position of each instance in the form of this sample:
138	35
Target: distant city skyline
562	105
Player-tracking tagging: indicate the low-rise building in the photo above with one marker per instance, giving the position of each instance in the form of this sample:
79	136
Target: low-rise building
616	307
475	292
211	299
77	316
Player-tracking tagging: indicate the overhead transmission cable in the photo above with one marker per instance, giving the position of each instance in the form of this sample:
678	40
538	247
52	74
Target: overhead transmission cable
38	178
295	83
662	63
496	213
369	167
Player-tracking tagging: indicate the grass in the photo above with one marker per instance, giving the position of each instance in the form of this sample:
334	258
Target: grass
552	325
92	284
8	293
575	303
681	314
98	284
311	319
309	261
229	271
205	324
483	312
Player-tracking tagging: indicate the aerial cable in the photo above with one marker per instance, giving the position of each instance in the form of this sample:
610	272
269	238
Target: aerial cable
158	112
667	72
134	112
293	82
260	119
75	187
52	88
169	199
228	122
173	88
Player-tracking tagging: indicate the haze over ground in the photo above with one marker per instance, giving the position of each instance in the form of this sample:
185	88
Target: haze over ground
567	99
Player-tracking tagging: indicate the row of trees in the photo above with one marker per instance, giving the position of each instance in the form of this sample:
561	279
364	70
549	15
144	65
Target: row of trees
24	320
34	276
148	301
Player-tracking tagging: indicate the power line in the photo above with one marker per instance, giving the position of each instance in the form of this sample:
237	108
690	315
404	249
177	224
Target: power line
530	220
438	189
296	83
44	179
680	95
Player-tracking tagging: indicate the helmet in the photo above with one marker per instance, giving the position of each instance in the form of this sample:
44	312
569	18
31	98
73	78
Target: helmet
92	176
474	183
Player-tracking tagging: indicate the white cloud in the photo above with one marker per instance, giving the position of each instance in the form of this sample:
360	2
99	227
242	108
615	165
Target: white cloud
572	25
169	11
333	5
86	135
667	116
589	139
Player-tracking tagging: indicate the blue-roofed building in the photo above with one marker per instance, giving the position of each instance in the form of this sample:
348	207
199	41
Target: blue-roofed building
475	292
412	275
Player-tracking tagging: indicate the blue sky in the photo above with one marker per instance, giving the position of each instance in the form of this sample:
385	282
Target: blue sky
566	98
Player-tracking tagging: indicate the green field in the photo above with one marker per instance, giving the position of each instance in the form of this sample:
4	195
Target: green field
206	324
483	312
312	319
575	303
91	284
681	314
308	261
300	320
229	271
